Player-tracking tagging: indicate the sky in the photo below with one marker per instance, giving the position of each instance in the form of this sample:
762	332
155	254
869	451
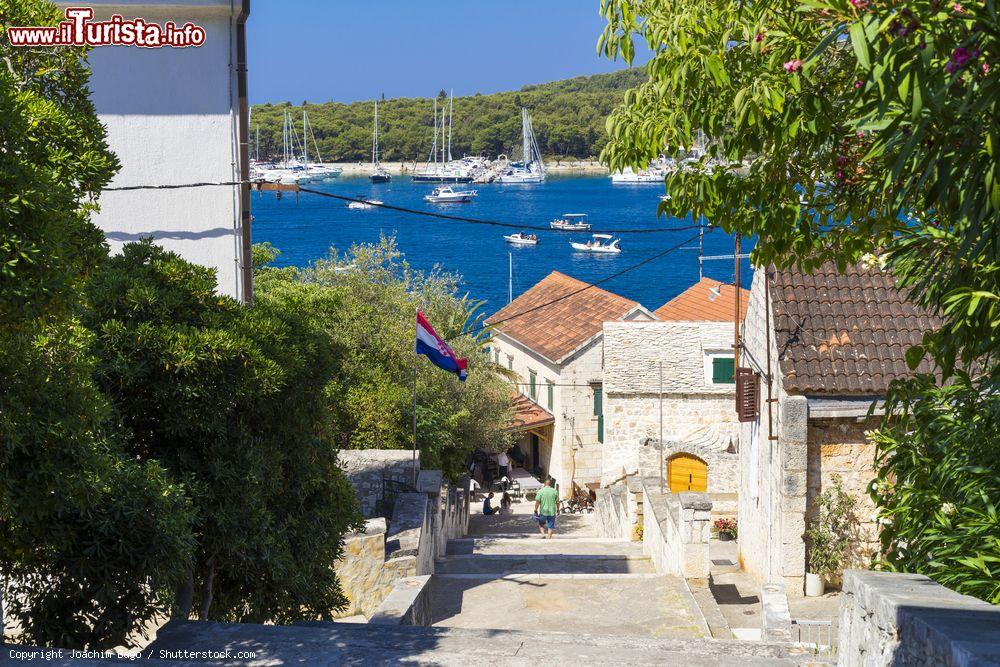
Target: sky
349	50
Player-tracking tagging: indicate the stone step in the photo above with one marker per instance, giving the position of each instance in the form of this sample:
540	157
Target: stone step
351	644
544	564
575	546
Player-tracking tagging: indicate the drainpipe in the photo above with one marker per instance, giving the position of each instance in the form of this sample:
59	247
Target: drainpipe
246	259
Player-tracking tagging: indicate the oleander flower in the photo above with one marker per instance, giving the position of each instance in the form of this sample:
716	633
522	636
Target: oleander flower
793	65
959	58
858	84
759	37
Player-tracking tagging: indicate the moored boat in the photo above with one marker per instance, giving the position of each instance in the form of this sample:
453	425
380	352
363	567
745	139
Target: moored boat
571	222
520	238
379	173
447	195
601	243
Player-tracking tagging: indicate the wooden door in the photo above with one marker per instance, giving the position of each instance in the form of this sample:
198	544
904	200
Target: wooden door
687	473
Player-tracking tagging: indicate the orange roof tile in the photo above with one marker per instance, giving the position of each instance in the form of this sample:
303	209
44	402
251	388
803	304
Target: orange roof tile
528	414
694	305
559	328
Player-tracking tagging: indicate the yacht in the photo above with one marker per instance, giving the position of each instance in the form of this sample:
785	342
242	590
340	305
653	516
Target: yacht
447	195
520	238
379	173
601	243
296	169
571	222
531	169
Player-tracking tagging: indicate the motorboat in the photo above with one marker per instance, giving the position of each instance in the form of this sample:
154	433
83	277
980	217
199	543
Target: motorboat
664	197
601	243
628	176
520	238
447	195
571	222
364	204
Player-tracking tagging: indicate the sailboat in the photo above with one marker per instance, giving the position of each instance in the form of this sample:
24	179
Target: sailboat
295	166
446	170
379	173
531	169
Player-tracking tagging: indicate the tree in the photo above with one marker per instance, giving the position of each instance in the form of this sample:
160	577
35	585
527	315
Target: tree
231	401
863	128
90	539
370	311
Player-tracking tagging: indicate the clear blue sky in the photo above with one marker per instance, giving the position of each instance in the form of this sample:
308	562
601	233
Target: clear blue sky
347	50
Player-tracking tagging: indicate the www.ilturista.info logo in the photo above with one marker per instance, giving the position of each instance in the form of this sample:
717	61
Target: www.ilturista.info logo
78	30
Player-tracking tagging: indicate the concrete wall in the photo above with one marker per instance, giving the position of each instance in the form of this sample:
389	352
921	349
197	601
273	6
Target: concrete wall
698	417
367	468
676	531
171	115
907	619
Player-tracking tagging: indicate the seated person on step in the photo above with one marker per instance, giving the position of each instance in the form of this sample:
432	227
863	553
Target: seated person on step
488	505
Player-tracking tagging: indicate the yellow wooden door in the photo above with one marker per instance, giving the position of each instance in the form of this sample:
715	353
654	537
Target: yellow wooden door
687	474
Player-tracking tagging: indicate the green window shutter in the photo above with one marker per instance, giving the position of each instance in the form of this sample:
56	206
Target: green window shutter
723	370
533	379
598	401
551	390
600	429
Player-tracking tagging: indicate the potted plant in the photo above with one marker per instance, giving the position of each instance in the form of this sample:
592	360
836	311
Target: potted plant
829	537
725	529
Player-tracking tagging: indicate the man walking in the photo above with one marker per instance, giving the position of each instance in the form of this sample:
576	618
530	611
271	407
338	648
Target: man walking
546	501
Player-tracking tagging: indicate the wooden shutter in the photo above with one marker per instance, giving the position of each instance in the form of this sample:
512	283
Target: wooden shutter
722	370
747	394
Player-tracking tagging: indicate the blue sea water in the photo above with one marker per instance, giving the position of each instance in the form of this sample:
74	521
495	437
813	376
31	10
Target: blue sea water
306	229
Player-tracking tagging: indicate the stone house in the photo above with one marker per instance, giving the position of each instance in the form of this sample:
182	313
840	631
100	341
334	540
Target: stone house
178	116
556	354
830	344
693	342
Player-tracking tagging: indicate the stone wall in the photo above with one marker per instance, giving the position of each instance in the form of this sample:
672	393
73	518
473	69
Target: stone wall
360	571
611	510
367	468
676	531
409	603
838	447
889	619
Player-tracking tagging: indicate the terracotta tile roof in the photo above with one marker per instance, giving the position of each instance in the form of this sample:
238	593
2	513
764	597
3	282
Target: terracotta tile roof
528	414
844	334
694	305
557	329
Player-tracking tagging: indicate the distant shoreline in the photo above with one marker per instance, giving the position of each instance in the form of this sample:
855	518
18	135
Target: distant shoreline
561	167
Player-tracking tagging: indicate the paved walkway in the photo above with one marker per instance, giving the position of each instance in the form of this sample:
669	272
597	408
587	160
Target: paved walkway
506	576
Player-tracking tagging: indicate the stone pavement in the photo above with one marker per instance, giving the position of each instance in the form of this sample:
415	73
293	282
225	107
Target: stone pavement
507	577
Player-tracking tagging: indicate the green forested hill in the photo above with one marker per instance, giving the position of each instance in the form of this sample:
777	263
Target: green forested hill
568	118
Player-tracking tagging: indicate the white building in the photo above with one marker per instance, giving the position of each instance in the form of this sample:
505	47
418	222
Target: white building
682	365
556	353
176	116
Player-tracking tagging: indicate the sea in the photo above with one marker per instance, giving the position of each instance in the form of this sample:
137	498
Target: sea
306	227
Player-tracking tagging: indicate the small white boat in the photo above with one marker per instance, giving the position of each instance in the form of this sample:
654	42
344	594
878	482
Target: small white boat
602	243
364	205
664	197
571	222
447	195
520	238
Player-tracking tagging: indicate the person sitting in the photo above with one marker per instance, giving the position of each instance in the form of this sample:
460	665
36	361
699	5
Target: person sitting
488	505
506	503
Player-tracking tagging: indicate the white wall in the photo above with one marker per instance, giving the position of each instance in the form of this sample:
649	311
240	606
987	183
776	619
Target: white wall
171	116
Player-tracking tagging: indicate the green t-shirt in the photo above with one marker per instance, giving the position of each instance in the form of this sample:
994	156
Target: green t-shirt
547	498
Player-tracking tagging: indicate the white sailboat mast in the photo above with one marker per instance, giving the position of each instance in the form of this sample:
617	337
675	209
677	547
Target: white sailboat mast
305	139
375	138
451	119
525	139
434	148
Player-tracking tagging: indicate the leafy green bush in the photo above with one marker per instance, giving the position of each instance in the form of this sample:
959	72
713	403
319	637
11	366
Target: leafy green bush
831	532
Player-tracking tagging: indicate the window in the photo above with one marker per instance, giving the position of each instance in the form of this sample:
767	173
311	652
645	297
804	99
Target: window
533	385
719	368
599	411
510	362
550	387
496	356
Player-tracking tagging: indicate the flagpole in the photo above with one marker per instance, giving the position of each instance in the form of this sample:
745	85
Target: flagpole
415	410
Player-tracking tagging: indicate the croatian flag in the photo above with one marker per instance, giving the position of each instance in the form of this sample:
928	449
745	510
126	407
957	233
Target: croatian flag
434	348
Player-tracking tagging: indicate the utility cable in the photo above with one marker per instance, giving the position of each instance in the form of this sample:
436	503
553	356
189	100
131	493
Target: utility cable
649	259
